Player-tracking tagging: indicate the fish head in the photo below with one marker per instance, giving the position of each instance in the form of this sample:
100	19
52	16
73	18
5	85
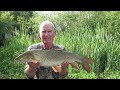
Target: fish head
26	56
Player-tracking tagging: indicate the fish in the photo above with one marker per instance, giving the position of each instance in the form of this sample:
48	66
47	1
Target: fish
54	58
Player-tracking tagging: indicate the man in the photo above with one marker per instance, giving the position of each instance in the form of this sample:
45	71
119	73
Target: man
33	70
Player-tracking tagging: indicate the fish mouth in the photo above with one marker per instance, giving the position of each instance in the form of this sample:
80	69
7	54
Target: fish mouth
16	58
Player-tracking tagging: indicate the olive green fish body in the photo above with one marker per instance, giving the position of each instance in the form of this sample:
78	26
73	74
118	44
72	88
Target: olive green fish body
52	57
47	57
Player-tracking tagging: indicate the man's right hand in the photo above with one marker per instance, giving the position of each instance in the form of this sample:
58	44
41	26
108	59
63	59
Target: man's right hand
31	68
33	64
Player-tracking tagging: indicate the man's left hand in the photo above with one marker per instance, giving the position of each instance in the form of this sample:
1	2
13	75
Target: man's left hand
61	67
64	65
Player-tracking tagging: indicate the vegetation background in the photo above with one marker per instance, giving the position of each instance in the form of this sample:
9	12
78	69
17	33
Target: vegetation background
94	34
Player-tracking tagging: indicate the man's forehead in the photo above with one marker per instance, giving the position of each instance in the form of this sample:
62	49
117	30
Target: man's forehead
48	26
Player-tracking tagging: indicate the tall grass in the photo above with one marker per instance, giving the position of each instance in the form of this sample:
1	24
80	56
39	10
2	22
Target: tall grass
101	47
17	45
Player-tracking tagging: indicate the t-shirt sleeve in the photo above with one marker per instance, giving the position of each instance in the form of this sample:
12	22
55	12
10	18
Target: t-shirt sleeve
32	47
61	47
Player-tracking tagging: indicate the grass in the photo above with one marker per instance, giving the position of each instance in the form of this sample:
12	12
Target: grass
81	41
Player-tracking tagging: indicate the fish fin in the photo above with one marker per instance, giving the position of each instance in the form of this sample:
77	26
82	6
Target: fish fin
86	66
56	68
88	60
74	65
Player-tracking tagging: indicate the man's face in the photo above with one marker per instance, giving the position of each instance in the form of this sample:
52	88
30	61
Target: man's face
47	33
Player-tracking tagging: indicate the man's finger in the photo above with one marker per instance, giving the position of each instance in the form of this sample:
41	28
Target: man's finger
56	68
33	64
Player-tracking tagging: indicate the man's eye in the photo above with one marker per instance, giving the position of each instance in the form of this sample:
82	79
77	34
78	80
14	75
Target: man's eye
43	31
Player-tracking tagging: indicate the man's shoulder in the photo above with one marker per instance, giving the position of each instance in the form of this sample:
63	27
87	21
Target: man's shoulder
57	46
34	46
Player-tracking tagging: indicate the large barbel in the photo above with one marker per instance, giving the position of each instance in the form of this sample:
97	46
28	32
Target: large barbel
54	58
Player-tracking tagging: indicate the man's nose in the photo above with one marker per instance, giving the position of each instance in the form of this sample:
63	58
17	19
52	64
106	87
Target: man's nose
46	33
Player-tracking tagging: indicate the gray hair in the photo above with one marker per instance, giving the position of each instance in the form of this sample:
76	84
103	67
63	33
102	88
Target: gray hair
46	22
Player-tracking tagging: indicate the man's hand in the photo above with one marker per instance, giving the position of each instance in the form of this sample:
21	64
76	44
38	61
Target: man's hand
31	68
61	67
73	64
64	65
33	64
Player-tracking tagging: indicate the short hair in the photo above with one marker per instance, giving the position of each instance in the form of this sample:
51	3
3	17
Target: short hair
46	22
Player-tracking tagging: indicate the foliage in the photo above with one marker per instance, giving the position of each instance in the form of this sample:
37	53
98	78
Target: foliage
94	34
6	21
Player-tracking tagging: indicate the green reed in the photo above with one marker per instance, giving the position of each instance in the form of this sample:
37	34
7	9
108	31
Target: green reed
100	46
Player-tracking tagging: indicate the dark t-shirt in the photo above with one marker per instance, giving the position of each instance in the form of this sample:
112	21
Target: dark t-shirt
46	72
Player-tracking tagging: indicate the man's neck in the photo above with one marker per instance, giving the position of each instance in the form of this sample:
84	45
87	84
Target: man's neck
47	45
